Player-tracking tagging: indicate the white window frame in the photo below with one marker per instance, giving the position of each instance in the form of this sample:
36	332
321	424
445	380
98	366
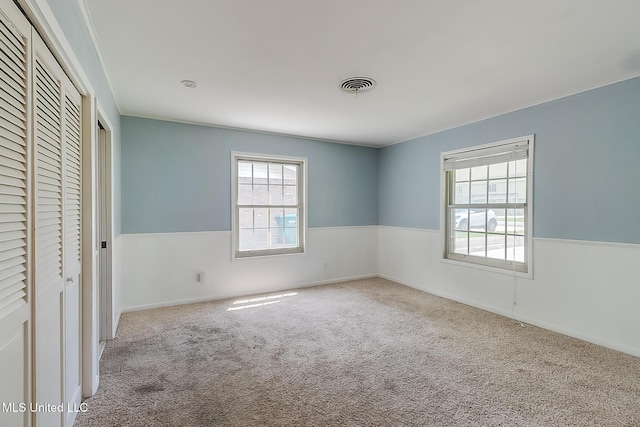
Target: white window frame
301	206
468	156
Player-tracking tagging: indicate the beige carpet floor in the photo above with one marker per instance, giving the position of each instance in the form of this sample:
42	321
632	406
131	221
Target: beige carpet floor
362	353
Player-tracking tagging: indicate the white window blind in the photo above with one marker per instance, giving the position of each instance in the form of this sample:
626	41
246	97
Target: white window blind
487	156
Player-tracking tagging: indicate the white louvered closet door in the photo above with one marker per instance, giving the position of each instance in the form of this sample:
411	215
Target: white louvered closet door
40	235
49	282
15	295
72	132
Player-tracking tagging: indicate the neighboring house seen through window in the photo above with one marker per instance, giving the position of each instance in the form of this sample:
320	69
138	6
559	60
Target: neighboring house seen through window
268	197
487	208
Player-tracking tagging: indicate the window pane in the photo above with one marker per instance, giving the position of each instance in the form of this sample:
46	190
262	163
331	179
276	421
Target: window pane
479	192
285	237
498	170
515	248
509	223
518	190
276	218
260	173
462	174
518	168
291	218
290	174
462	193
519	221
275	195
291	227
291	237
477	219
478	172
260	239
500	216
498	191
275	174
260	194
245	239
458	240
285	223
261	218
277	237
244	173
477	244
496	244
515	221
290	195
245	218
249	240
245	194
492	221
460	219
460	243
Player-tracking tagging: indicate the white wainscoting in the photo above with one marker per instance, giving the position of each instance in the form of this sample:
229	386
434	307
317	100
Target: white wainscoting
162	269
588	290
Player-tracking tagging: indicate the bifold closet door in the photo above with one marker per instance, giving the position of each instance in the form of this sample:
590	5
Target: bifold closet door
72	179
57	180
40	209
15	224
49	281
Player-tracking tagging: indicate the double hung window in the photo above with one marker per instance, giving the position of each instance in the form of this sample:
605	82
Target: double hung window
487	210
268	204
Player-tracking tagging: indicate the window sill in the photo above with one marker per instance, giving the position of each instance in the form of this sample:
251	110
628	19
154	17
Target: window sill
261	255
528	275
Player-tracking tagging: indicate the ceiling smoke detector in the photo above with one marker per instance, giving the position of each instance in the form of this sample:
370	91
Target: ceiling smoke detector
357	84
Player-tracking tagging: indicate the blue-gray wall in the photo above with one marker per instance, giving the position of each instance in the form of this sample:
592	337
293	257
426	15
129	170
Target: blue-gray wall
70	19
586	166
177	177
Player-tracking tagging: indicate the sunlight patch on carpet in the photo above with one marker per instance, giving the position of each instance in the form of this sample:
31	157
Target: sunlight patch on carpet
260	301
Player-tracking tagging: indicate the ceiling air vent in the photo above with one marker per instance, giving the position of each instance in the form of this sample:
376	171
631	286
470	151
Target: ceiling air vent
357	84
189	83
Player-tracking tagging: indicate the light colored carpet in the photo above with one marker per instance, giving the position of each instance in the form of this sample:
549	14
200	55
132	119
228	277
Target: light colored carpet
361	353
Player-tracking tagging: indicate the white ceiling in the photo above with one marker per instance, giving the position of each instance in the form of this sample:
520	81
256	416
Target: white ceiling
276	65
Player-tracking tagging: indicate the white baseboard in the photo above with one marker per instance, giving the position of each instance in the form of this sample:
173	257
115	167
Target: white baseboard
580	335
449	296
